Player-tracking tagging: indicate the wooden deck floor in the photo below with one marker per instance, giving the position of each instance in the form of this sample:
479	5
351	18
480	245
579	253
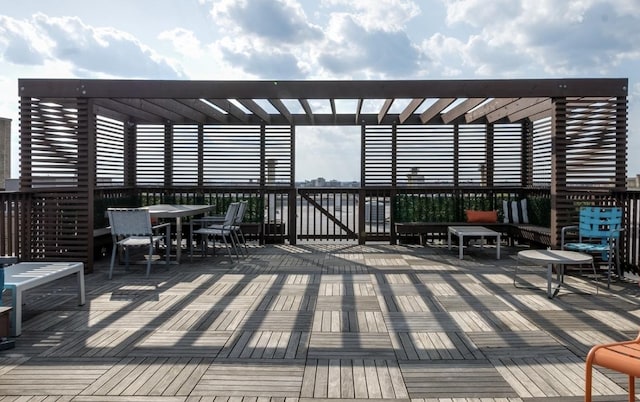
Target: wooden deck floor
316	322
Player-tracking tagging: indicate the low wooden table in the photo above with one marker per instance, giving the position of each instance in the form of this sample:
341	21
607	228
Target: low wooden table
472	231
550	258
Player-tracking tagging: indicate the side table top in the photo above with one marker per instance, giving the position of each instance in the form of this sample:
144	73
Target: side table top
555	256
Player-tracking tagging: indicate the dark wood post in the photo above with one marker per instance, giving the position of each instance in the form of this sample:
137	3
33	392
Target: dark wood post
558	169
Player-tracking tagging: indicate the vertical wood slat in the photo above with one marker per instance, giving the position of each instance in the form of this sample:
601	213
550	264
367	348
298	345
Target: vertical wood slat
559	205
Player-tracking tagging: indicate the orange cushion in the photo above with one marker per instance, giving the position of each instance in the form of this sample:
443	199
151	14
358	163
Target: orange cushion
481	216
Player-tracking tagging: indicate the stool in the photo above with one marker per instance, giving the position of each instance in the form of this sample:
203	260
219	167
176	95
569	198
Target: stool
623	357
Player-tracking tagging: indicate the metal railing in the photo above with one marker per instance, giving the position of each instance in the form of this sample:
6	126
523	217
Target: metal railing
54	224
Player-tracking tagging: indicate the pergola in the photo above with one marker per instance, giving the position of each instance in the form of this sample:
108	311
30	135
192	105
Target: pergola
79	137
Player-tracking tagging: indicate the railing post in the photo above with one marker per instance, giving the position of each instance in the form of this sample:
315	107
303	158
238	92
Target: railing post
362	234
293	215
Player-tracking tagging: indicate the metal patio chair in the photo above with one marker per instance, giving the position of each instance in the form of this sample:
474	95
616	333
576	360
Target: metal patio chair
131	227
224	231
598	232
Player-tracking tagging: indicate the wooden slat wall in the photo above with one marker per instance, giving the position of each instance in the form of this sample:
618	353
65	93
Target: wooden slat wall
279	147
425	154
442	155
231	155
591	142
55	164
109	152
150	151
53	144
542	152
377	155
185	155
472	156
507	154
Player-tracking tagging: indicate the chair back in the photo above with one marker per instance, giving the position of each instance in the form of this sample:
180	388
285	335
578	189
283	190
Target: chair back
600	222
242	208
230	216
129	222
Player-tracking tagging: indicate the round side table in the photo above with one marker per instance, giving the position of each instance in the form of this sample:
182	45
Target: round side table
551	258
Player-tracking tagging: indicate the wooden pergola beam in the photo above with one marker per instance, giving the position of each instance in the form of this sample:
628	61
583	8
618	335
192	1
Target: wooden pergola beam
384	110
410	109
407	89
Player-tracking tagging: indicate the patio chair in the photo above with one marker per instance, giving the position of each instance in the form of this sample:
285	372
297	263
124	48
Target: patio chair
237	228
131	227
598	232
223	231
623	357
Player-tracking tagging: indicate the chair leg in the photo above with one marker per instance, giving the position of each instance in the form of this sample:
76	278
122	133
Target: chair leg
226	244
149	258
588	382
113	259
632	388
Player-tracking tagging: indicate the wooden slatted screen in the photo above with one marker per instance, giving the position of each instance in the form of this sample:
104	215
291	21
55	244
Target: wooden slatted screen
53	141
591	142
231	155
109	152
279	154
542	151
150	151
473	156
429	155
185	154
425	155
58	217
507	154
377	155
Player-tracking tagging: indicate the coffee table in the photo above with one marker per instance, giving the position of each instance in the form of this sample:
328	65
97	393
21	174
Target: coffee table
550	258
472	231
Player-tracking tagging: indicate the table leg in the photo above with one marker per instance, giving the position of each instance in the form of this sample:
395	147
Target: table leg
460	245
549	272
16	316
81	299
178	238
551	293
448	239
498	248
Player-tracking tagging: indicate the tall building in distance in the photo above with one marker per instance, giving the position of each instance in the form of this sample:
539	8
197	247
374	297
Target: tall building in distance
5	151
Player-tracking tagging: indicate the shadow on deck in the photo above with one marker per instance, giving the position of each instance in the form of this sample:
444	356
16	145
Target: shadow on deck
320	321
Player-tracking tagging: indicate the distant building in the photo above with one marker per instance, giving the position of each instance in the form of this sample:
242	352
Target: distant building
5	151
415	178
633	182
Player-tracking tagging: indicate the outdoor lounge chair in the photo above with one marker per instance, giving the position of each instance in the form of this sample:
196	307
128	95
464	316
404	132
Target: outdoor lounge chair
598	232
131	227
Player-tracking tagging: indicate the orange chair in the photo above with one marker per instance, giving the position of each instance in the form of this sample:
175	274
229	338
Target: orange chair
623	357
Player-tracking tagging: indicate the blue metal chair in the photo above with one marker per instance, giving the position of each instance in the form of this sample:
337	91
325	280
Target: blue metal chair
598	232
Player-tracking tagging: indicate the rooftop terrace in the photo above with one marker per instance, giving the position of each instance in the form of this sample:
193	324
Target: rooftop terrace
311	322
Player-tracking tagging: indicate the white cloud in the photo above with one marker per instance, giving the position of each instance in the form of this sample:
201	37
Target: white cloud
353	50
184	42
21	42
90	50
276	21
546	36
387	15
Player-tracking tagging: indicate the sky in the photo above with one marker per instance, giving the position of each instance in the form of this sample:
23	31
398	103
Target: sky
320	39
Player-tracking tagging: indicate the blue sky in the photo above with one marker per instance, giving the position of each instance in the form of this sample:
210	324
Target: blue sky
320	39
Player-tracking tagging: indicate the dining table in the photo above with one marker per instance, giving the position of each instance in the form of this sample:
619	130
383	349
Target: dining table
177	212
